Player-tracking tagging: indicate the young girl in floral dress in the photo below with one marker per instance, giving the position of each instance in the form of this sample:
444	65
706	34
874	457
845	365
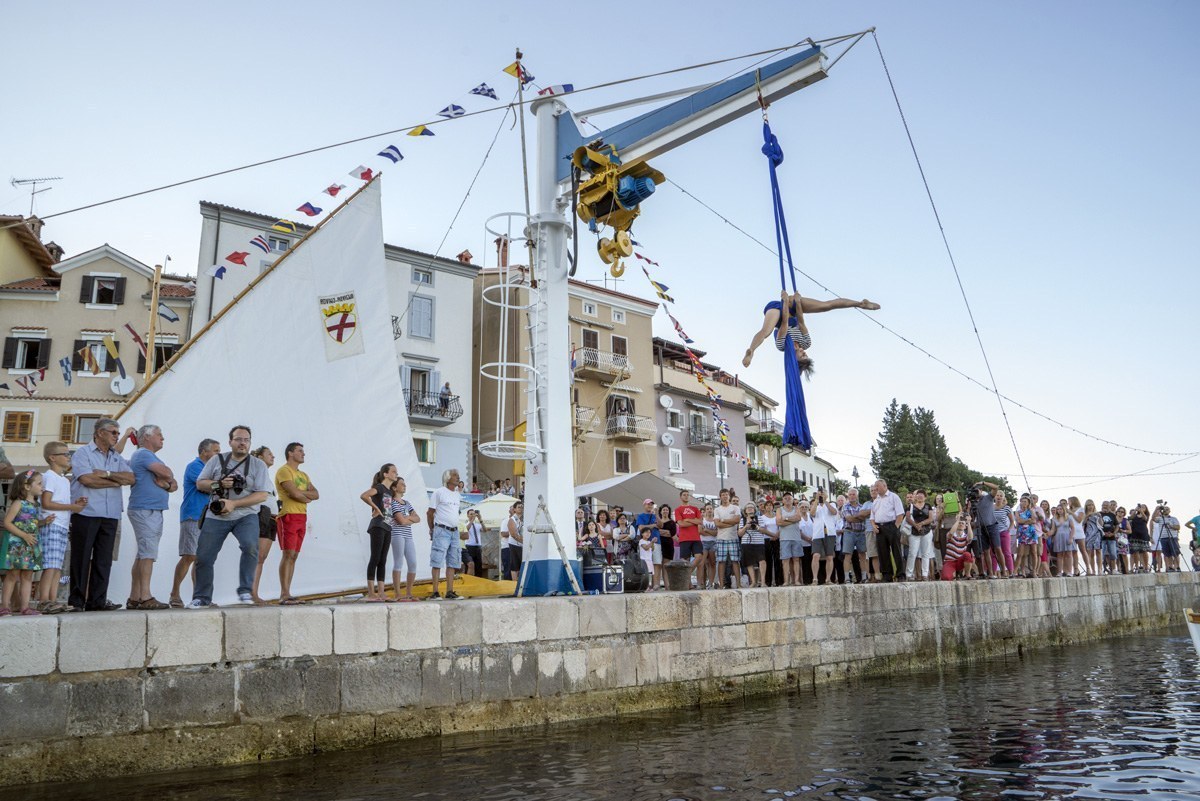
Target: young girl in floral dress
20	552
1027	539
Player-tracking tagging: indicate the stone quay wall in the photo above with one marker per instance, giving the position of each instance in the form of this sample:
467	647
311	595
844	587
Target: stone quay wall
103	694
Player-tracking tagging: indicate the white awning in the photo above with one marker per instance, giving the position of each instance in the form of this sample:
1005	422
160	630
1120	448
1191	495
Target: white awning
630	490
684	484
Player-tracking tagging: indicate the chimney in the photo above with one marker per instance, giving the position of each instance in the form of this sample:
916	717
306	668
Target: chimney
35	225
56	251
502	251
465	257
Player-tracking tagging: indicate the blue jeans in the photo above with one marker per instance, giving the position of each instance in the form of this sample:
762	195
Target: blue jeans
212	537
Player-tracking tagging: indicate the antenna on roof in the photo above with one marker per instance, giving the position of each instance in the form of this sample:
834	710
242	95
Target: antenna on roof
33	184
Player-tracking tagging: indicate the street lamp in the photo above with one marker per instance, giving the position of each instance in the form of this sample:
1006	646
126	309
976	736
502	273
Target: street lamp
854	475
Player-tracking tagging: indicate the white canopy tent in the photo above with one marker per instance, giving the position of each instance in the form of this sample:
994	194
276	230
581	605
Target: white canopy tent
629	491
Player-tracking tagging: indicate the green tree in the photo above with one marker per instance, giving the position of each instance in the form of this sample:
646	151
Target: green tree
898	457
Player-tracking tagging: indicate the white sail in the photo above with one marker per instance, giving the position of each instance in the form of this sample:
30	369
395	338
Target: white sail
263	363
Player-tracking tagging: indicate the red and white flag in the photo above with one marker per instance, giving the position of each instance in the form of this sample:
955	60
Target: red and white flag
362	173
333	189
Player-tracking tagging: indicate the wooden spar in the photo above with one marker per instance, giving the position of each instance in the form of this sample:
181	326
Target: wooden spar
153	321
253	283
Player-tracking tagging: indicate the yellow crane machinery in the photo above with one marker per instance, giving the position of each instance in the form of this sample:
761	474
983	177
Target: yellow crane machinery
612	196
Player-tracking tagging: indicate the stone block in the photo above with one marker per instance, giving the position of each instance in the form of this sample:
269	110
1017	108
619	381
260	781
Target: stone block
599	668
383	683
190	698
728	638
625	661
33	709
647	663
523	675
280	739
360	628
102	641
690	667
604	615
462	623
252	634
839	628
833	651
715	607
558	618
414	626
184	637
322	687
306	631
267	692
770	632
29	646
756	605
660	612
495	675
105	708
695	640
575	669
510	619
744	662
549	672
344	732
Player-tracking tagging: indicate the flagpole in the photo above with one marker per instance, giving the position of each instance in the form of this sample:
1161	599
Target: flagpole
153	321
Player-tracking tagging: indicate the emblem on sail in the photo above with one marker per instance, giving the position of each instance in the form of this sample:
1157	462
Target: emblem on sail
340	319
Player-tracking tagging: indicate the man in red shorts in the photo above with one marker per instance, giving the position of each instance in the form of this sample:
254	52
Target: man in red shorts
296	492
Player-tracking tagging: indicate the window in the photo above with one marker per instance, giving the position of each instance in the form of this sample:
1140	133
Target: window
620	349
675	460
722	466
618	316
619	404
18	427
77	429
589	309
163	351
95	343
278	244
26	351
426	450
422	276
420	317
621	461
674	419
591	339
796	474
102	290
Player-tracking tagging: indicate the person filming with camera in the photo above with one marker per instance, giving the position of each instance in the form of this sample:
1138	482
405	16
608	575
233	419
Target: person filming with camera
1166	535
237	484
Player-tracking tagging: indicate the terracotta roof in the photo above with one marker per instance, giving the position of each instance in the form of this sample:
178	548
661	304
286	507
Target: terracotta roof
30	241
176	291
31	285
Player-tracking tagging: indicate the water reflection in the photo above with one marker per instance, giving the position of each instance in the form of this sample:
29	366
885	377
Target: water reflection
1107	720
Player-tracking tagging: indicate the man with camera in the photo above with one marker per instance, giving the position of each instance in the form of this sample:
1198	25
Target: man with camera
1166	535
237	484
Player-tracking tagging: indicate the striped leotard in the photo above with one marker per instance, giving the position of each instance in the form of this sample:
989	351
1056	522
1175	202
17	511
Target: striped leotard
793	329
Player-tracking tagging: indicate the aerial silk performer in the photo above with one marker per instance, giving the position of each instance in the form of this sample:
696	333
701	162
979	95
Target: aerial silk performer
785	317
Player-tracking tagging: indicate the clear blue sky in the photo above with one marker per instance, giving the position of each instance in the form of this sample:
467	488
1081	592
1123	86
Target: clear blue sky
1059	139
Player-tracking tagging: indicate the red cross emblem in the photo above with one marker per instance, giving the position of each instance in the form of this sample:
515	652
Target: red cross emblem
340	326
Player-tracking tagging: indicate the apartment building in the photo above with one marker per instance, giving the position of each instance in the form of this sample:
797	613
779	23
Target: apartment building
53	308
614	401
688	448
432	303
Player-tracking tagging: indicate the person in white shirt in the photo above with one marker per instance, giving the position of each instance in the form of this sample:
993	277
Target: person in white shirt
514	543
887	513
727	516
446	550
824	537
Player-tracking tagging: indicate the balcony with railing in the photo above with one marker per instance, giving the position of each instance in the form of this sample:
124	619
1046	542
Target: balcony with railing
703	437
593	363
585	419
630	426
432	408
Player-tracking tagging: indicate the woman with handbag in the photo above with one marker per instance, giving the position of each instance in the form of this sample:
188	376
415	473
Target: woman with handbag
379	498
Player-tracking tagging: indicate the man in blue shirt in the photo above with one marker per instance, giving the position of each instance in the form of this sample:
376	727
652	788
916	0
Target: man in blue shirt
648	521
98	474
194	502
153	482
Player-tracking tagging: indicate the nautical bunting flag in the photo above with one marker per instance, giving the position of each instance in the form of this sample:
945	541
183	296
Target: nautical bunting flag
392	153
333	189
420	130
65	364
111	347
89	359
516	69
451	111
485	90
284	227
216	271
238	257
557	89
137	340
261	243
362	173
29	390
165	312
309	209
679	330
643	258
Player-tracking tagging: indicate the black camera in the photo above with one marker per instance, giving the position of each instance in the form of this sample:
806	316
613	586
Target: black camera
219	492
1161	502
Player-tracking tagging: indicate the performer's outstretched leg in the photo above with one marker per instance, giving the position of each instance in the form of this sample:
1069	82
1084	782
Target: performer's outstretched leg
770	322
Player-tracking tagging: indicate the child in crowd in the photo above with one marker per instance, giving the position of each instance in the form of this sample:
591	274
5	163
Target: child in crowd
1028	550
56	498
20	551
706	570
646	554
958	558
